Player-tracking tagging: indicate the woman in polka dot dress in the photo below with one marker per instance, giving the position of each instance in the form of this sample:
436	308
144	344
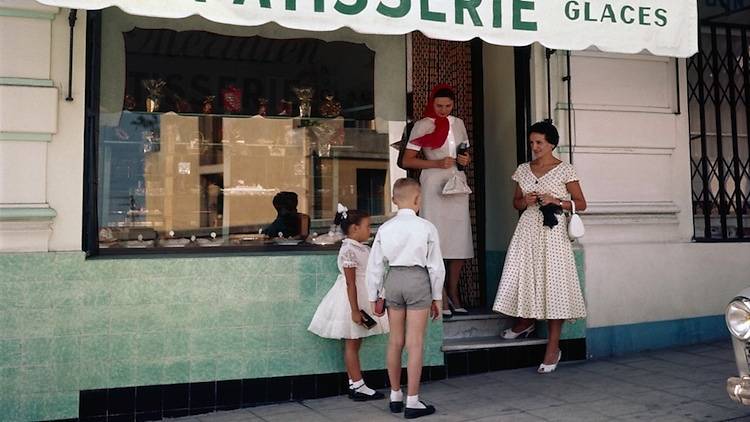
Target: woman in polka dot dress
539	280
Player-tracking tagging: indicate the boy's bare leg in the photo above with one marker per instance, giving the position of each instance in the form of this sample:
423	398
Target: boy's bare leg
396	320
416	324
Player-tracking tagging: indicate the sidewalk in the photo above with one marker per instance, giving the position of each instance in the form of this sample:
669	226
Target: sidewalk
683	384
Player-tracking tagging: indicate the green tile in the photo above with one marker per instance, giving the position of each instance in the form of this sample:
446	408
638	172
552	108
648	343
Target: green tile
35	379
282	363
10	353
95	293
11	323
10	408
202	291
176	372
231	341
123	319
94	375
61	406
203	343
67	321
256	366
65	376
12	295
37	351
11	381
126	292
94	348
228	368
307	286
177	316
204	316
122	347
176	343
122	374
95	320
256	339
40	322
279	338
150	346
202	370
33	407
149	373
151	318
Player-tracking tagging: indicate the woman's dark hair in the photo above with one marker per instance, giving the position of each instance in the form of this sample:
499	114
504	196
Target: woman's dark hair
445	93
548	130
353	217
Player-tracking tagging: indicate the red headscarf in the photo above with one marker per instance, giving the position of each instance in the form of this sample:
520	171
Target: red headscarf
436	139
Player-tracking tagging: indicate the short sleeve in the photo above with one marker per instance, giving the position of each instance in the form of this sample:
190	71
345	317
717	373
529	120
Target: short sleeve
459	131
570	174
348	257
421	128
516	176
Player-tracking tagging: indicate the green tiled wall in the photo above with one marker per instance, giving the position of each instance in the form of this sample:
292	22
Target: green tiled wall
70	324
494	265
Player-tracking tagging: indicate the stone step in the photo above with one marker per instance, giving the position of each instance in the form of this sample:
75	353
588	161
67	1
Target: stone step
477	323
478	343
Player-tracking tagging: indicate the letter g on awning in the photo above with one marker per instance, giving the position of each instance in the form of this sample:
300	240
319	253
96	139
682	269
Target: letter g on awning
661	27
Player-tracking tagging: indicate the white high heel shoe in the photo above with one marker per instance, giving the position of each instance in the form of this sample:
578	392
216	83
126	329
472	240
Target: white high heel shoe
546	369
509	334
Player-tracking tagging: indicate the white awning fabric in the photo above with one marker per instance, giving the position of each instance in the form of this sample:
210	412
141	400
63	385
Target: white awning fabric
661	27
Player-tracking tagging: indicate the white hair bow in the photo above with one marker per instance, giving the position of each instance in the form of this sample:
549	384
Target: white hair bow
342	210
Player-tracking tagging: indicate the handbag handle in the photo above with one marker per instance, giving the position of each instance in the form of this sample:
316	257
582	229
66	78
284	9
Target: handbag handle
572	206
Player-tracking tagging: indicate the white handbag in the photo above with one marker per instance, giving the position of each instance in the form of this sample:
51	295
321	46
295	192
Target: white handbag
456	185
575	224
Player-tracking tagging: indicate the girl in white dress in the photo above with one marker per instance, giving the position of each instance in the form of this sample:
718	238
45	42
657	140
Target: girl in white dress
338	316
438	135
540	280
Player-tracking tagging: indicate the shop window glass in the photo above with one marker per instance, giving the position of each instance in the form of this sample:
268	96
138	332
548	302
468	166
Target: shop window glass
237	141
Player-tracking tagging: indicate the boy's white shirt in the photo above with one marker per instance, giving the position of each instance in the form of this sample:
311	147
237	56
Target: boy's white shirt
406	240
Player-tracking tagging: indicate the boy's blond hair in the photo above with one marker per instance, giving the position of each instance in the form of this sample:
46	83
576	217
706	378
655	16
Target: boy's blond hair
405	189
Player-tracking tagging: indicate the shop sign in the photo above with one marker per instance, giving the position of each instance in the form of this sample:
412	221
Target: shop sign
662	27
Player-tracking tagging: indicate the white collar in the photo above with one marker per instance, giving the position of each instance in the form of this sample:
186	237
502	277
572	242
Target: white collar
406	211
352	241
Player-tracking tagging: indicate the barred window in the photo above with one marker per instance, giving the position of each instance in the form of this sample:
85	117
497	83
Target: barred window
719	109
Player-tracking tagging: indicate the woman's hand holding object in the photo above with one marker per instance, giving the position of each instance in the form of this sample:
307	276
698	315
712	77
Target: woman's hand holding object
445	163
464	159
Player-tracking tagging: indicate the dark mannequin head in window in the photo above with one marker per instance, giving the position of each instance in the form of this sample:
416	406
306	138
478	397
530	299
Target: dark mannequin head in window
287	219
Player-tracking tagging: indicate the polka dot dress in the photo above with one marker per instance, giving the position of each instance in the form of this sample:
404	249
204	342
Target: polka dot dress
539	279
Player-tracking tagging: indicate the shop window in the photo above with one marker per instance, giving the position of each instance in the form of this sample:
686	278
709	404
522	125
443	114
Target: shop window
236	141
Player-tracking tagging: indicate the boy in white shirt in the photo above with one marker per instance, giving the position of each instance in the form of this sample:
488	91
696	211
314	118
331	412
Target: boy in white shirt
410	247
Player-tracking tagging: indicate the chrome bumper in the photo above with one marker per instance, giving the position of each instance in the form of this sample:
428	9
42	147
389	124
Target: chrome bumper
739	389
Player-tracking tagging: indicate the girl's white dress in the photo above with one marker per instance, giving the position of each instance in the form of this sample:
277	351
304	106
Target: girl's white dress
333	317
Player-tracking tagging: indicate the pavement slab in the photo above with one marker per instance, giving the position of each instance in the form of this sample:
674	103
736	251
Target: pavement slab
680	384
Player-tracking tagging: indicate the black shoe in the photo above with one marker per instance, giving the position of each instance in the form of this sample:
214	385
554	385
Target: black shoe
396	406
351	392
412	413
357	396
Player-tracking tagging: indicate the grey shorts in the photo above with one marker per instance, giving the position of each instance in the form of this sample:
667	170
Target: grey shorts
408	287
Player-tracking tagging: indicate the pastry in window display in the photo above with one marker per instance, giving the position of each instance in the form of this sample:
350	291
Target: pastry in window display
284	108
182	105
231	99
128	102
305	96
208	104
212	240
262	107
242	189
330	107
154	93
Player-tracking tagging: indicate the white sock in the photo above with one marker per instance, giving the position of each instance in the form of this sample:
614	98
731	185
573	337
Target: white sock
361	387
414	403
397	395
350	383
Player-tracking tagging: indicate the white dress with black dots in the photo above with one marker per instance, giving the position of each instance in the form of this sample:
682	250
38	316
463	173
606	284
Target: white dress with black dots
333	318
539	279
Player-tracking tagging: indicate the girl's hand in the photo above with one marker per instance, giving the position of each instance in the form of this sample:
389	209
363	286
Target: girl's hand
445	163
530	198
357	318
547	199
464	159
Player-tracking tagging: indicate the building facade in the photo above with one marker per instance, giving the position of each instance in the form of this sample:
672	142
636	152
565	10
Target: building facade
129	231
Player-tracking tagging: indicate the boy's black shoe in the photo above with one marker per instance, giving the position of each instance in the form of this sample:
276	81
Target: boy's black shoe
357	396
396	406
412	413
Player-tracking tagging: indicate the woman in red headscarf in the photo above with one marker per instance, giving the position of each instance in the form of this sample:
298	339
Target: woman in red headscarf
440	137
